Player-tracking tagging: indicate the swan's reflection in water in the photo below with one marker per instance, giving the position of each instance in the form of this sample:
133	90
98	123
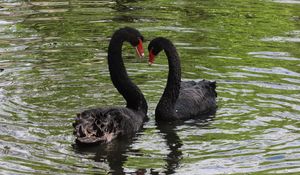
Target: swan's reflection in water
173	141
115	153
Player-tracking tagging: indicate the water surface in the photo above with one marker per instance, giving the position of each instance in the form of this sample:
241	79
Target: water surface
54	58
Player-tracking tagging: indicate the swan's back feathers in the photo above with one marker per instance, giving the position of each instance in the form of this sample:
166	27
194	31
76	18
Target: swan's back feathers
187	84
196	98
104	124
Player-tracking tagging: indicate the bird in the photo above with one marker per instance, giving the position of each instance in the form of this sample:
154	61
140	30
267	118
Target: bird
102	125
181	100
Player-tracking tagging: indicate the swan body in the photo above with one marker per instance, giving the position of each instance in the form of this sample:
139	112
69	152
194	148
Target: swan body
197	99
102	125
105	124
181	100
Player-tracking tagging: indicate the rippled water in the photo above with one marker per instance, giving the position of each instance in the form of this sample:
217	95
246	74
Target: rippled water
54	60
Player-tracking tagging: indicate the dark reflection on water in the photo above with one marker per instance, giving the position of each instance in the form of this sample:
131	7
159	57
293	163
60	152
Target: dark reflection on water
174	143
113	153
53	65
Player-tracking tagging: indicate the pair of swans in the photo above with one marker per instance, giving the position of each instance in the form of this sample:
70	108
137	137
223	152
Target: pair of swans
180	100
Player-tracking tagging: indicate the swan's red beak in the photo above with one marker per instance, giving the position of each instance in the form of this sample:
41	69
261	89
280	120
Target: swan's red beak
139	49
151	57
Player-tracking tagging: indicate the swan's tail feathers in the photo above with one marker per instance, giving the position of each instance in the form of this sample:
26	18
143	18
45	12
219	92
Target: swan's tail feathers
94	127
210	86
213	85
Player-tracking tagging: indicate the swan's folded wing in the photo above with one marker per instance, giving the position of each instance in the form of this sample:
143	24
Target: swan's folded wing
104	124
187	84
196	100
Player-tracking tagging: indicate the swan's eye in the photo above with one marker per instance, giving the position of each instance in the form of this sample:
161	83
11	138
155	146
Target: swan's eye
141	38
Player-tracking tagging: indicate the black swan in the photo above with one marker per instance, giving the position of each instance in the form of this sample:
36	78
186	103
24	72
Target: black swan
181	100
101	125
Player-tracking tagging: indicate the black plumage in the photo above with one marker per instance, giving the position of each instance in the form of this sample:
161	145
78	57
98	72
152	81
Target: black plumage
105	124
181	100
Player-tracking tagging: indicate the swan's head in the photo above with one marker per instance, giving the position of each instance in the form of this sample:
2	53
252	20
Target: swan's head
155	46
135	38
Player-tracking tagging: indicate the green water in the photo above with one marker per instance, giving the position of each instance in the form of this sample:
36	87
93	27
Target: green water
54	60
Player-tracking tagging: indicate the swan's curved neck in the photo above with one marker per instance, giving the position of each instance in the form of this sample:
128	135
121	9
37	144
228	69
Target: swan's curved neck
118	74
166	106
